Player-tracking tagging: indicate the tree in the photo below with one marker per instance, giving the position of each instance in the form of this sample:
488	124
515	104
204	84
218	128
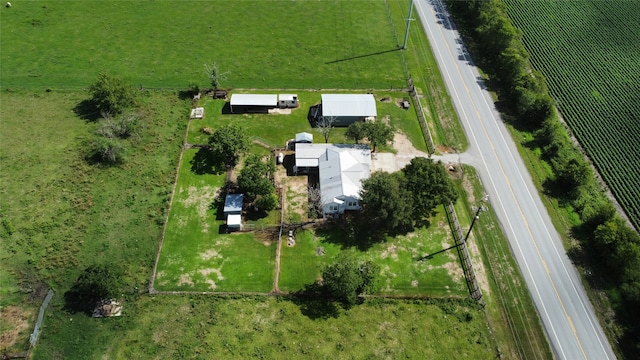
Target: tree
266	202
349	277
324	125
378	133
386	202
255	177
108	151
356	131
215	75
430	186
228	144
97	282
111	95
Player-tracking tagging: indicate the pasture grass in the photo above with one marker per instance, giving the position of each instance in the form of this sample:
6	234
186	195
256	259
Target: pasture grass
65	214
195	326
334	44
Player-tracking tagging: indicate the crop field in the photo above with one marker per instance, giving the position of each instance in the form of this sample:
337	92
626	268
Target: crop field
165	44
589	52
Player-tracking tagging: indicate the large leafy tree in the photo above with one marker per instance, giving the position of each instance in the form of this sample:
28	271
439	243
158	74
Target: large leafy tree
97	282
111	94
386	202
378	133
228	144
349	277
255	177
429	185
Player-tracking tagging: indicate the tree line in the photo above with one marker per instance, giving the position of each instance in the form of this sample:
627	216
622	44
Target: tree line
612	246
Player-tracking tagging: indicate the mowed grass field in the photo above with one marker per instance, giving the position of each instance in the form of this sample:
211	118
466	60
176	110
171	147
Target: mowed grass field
164	44
589	52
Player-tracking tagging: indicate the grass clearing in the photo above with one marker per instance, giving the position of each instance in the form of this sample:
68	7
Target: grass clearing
195	255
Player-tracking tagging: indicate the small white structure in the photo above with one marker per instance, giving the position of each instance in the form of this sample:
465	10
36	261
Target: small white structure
233	211
287	101
304	137
197	113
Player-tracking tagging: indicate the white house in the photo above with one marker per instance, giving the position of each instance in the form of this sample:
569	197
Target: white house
341	169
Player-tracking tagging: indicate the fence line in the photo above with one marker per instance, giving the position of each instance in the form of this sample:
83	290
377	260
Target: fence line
36	330
463	252
421	117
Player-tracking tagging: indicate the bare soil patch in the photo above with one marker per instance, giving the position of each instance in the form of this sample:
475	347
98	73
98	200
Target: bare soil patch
185	279
403	146
17	320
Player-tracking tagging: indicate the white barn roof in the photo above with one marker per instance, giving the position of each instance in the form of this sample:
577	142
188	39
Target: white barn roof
254	100
357	105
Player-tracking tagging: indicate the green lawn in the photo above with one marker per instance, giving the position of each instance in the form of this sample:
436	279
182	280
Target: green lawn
195	255
276	129
337	44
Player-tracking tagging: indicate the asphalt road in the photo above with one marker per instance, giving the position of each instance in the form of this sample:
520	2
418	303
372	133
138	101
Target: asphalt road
566	313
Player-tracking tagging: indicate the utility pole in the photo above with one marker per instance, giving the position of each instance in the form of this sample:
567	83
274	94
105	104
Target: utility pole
406	34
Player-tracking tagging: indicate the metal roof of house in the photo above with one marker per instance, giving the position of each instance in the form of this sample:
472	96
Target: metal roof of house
342	169
307	154
233	203
254	100
358	105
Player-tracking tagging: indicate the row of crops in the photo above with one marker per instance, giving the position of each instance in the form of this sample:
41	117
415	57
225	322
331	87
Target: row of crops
589	52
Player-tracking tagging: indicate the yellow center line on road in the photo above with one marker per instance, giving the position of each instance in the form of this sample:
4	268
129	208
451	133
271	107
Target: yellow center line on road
535	244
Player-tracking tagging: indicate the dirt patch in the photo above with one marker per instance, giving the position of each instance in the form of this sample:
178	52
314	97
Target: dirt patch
185	279
297	196
454	270
210	254
390	251
478	268
17	321
200	198
403	146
